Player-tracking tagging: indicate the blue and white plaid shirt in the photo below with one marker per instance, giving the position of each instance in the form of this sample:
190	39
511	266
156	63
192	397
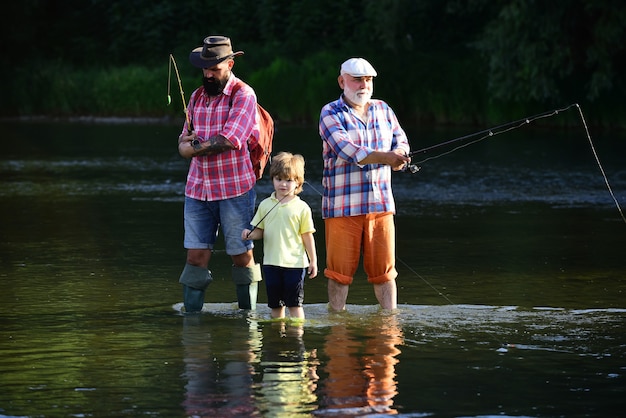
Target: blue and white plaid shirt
351	189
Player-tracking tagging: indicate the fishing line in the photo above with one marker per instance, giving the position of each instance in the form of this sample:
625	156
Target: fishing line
401	261
503	346
595	154
265	216
507	127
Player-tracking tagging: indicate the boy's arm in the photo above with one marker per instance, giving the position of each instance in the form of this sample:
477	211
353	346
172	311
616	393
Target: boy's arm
309	245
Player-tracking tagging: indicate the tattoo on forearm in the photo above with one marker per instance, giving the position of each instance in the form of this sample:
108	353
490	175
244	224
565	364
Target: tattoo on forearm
213	145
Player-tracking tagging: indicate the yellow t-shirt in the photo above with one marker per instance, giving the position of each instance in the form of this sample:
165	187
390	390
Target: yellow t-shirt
283	225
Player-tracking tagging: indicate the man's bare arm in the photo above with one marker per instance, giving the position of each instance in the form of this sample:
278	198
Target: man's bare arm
189	146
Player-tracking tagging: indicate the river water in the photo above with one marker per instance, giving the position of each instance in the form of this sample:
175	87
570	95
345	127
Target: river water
511	288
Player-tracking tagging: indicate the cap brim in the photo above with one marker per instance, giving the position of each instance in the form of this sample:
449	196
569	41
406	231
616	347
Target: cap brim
197	61
360	74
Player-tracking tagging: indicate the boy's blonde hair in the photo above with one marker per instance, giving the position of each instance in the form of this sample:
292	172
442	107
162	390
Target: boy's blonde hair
286	165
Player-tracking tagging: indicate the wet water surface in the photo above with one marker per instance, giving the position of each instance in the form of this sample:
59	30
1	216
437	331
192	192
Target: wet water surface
511	287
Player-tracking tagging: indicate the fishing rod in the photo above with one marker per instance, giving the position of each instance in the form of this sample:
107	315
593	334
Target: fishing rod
486	133
172	61
509	126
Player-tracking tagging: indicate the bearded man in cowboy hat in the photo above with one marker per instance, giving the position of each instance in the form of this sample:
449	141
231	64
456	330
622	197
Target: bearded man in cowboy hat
219	192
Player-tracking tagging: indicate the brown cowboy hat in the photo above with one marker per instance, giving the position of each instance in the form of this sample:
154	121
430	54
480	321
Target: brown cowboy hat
214	50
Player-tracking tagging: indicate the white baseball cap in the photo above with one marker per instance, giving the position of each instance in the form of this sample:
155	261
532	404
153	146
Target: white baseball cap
358	67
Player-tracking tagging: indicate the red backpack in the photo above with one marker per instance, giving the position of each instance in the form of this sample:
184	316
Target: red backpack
261	150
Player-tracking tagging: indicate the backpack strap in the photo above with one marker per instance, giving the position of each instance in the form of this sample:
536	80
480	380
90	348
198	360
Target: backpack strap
233	91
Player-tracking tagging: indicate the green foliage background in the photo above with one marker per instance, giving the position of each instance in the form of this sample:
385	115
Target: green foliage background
439	62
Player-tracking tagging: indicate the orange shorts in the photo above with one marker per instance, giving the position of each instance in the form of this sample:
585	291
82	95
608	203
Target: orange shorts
346	238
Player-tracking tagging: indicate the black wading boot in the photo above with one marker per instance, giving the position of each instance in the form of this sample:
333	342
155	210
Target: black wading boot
194	280
246	281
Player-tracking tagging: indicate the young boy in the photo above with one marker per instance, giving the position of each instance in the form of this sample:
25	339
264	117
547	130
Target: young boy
285	224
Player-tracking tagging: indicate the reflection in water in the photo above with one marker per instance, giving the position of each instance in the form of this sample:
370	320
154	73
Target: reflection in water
289	372
267	370
361	366
219	382
519	233
253	370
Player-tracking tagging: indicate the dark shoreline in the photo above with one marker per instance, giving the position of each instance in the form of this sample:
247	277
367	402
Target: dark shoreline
112	120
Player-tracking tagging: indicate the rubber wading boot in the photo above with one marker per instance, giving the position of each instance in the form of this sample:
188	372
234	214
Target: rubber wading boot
247	285
194	280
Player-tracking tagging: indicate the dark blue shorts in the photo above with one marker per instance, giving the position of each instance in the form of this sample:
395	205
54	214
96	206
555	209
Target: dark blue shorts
285	286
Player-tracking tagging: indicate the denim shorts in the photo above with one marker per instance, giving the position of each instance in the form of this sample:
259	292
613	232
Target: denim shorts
203	220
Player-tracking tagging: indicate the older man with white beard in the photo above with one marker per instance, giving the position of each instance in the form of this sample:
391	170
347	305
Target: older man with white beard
362	143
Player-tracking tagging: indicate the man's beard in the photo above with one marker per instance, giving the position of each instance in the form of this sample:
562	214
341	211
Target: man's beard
357	97
213	86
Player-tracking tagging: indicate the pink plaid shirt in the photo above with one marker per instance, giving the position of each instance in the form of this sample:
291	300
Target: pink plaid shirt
227	174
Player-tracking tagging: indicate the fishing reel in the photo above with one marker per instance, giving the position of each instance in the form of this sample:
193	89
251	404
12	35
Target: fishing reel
197	144
412	168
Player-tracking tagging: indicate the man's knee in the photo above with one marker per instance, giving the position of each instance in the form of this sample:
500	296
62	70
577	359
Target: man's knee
337	277
384	278
243	260
198	257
